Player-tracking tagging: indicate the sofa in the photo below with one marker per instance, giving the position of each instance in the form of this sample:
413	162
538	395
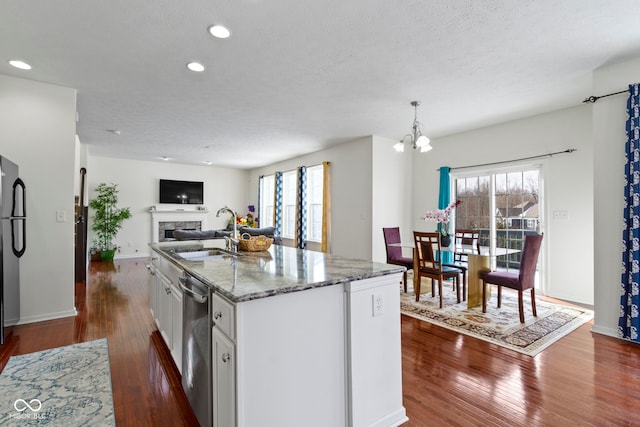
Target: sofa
221	234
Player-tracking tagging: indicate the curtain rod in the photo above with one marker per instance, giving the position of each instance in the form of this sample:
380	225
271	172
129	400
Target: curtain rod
569	150
592	99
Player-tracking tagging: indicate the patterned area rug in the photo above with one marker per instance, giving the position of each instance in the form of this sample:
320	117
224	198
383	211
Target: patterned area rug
64	386
498	325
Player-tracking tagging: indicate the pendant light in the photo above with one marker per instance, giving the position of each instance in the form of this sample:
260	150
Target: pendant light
417	139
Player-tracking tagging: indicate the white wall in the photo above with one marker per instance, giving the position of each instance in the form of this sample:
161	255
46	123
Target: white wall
609	121
37	131
351	198
392	186
138	189
568	187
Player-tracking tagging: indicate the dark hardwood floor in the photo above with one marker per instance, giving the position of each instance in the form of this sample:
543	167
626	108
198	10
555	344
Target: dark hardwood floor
448	379
115	304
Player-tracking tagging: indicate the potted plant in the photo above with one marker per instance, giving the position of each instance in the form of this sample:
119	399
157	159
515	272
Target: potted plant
441	216
108	219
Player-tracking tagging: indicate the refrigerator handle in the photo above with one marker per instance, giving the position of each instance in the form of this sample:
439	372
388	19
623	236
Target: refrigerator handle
19	251
19	183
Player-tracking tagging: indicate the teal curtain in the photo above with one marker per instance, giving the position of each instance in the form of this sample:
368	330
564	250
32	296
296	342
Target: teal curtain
444	198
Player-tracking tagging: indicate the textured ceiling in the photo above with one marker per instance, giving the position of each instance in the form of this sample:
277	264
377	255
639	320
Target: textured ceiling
298	76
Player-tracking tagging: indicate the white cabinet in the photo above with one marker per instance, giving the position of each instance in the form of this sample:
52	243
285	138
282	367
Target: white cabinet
165	301
165	308
153	288
321	357
224	380
176	310
223	367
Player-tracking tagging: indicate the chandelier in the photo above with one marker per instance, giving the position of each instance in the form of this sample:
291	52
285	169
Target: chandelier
417	139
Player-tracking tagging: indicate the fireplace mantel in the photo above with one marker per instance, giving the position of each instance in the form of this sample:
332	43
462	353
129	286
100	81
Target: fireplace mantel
158	216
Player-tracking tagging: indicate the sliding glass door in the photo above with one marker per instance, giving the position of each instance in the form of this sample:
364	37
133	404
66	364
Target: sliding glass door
504	205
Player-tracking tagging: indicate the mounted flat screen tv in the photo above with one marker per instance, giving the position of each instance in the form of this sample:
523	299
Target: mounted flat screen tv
181	192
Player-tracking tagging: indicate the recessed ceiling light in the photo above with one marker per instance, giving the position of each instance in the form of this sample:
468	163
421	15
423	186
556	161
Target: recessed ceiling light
20	64
195	66
208	162
165	158
219	31
114	131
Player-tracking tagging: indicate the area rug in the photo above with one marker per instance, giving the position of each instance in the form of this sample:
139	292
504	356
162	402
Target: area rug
500	326
64	386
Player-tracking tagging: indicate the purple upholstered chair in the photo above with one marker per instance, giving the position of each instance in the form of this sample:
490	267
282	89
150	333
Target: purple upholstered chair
520	281
394	253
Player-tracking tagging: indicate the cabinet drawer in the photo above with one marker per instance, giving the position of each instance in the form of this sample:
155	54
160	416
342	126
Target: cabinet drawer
223	316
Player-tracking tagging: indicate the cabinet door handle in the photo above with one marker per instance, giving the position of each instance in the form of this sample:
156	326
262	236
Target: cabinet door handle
226	357
217	315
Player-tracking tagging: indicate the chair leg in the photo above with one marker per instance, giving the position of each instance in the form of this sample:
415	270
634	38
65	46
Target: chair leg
484	296
439	290
499	296
456	280
405	281
533	302
416	285
520	306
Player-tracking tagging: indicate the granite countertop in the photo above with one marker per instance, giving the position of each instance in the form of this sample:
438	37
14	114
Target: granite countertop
280	270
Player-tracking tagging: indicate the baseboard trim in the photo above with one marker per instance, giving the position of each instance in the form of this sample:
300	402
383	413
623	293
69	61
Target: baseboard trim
130	256
48	316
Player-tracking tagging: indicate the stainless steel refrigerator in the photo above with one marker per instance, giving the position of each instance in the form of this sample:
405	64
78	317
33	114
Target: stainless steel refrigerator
12	243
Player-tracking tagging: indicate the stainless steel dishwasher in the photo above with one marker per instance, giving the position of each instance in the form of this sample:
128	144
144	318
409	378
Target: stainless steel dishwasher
196	347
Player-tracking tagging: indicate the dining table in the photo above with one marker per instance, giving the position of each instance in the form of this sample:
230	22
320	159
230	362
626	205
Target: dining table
479	261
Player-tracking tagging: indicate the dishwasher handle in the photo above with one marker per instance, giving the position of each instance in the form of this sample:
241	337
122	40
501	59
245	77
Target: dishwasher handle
199	298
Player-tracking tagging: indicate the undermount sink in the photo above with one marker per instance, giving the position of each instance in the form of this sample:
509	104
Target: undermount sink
207	254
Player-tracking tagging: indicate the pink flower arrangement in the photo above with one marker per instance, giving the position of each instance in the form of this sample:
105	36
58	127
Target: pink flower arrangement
441	215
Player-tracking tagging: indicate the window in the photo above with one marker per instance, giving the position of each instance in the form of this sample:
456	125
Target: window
315	182
503	205
267	193
314	202
289	186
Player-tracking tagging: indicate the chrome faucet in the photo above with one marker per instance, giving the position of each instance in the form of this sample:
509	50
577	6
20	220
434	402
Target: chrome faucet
233	241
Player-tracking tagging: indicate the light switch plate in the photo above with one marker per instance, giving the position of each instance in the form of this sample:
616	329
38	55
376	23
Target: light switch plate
561	215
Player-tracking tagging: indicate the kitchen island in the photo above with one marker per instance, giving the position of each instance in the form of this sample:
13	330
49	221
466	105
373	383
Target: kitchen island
298	337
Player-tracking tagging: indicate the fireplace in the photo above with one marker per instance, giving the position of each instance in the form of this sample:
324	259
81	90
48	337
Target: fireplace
166	228
164	223
168	234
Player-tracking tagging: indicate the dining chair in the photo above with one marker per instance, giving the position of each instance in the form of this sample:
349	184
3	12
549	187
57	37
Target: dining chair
427	264
522	280
394	253
460	260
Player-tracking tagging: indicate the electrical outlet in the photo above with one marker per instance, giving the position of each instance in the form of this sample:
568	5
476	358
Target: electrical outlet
61	216
378	304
